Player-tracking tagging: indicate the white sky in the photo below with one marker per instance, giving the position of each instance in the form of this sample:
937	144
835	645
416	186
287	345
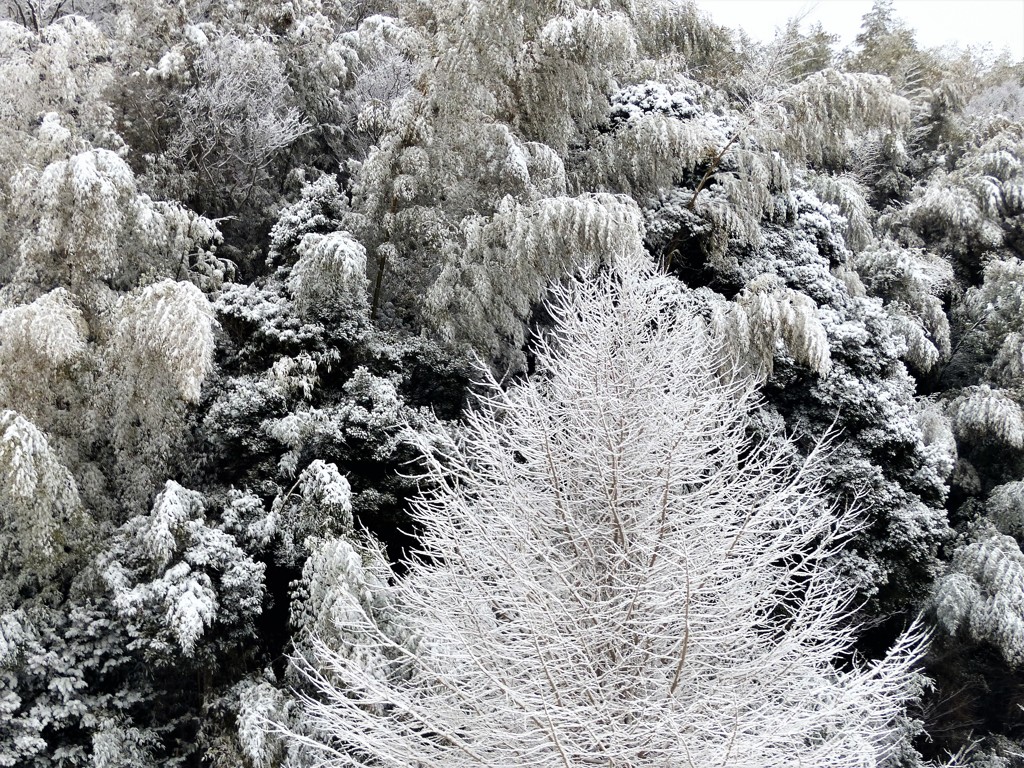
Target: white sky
999	23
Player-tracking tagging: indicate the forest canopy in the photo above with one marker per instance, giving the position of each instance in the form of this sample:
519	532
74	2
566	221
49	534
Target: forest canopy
312	315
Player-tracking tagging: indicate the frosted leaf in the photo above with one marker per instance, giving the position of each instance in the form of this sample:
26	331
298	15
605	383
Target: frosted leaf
324	487
172	236
317	505
159	537
997	306
505	122
1006	508
55	137
937	437
919	351
1005	99
485	290
647	153
62	68
820	109
545	170
955	593
320	208
983	413
331	577
329	279
34	483
171	65
296	375
173	576
912	284
668	29
51	329
1001	294
260	705
15	631
81	206
403	187
807	122
851	197
804	334
194	34
983	595
679	99
245	517
972	206
766	315
414	161
155	363
167	329
191	605
340	583
118	745
946	203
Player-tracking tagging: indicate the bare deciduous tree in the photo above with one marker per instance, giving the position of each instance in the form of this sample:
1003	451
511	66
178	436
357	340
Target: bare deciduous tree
613	574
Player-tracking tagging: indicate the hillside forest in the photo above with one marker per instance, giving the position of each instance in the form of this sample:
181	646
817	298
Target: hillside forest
522	383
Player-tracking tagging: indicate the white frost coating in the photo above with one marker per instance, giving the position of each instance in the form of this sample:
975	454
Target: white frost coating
195	35
1006	508
764	316
324	486
117	745
173	576
610	570
295	374
15	630
82	204
175	505
34	484
334	584
341	582
172	64
983	595
912	283
169	325
983	413
53	135
191	605
974	204
485	290
259	704
329	278
238	115
997	306
50	329
937	437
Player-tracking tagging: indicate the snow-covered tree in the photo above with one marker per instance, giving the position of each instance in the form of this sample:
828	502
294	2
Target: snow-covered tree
173	576
795	310
235	118
39	502
885	44
611	571
851	224
465	199
912	284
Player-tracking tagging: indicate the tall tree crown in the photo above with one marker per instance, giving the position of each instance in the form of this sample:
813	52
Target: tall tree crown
611	571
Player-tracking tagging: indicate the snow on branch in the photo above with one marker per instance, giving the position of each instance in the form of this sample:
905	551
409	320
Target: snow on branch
611	573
